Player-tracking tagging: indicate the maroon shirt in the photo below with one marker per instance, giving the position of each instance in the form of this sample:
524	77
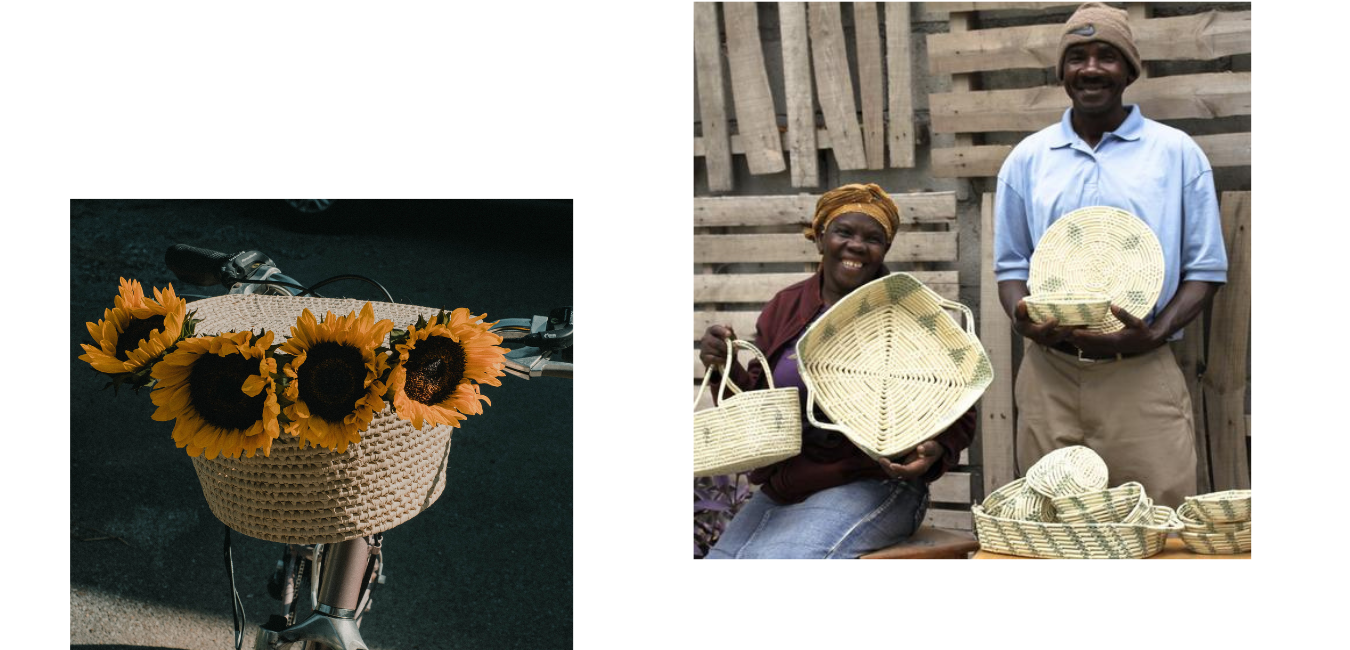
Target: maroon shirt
827	459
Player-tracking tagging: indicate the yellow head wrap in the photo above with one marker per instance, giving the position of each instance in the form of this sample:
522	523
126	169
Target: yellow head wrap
867	199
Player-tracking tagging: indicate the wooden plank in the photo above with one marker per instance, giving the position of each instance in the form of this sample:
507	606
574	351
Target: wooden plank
1198	37
871	82
962	84
1190	354
899	66
1209	95
756	118
834	84
801	111
950	519
925	207
953	487
965	162
942	9
1226	373
761	287
1223	150
996	407
712	101
907	247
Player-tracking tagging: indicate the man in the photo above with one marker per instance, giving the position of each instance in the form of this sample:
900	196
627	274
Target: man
1120	393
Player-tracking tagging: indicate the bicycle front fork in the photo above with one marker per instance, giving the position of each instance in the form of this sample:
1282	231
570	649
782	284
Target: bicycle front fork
345	573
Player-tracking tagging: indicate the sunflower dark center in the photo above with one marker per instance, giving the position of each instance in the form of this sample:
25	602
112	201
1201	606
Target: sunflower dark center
137	330
434	368
331	379
216	387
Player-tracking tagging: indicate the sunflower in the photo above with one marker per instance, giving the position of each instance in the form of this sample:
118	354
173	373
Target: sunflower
435	379
335	373
136	331
222	392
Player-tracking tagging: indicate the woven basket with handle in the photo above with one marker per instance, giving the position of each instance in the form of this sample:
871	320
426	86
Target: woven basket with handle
749	429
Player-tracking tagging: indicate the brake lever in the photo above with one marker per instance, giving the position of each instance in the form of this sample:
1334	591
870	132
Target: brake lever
545	336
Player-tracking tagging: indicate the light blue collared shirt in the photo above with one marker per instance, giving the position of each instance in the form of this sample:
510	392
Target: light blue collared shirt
1152	170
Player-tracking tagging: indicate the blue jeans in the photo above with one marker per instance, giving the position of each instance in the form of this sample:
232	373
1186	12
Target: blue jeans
839	523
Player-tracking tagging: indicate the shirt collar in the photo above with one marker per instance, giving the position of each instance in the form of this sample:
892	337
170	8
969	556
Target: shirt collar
1130	129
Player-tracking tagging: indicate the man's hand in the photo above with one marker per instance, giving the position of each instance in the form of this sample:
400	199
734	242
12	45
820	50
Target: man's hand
1047	333
1136	337
712	348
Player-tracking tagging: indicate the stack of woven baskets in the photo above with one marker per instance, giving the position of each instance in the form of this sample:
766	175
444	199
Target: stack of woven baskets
1218	523
1063	509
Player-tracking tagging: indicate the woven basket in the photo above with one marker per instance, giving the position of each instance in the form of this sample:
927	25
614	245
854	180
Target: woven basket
309	496
1100	249
1218	543
1075	541
749	429
1099	507
1194	524
1069	309
890	367
1212	538
1222	507
1016	500
1068	471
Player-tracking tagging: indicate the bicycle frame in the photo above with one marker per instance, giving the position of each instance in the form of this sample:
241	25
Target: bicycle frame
341	594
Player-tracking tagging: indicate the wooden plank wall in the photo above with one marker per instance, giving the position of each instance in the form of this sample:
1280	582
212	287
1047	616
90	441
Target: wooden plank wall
865	126
962	52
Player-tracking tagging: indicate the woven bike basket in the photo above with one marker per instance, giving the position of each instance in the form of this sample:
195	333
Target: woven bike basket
749	429
1100	249
313	496
890	367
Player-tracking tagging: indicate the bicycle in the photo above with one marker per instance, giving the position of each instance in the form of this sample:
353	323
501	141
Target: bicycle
341	576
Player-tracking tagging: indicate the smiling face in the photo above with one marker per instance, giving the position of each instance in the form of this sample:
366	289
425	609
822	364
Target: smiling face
852	249
1095	77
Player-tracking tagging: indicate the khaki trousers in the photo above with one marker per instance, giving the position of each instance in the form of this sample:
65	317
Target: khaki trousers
1134	412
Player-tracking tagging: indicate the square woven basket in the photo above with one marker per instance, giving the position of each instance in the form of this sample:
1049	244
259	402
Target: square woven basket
890	367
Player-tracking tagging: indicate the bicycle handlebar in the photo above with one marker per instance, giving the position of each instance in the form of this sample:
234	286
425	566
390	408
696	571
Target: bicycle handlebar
199	266
534	341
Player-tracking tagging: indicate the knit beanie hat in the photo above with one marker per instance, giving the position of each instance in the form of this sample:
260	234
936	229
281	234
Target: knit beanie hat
1095	21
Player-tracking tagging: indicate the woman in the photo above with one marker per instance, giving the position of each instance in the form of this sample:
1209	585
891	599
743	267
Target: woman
832	500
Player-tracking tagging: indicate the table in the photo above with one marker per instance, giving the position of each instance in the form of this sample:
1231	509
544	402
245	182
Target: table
1174	549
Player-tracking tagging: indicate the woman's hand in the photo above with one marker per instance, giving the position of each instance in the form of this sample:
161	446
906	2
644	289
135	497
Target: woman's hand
712	348
915	464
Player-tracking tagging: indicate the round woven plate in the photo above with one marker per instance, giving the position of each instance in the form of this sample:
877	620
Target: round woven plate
309	496
890	367
1100	249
